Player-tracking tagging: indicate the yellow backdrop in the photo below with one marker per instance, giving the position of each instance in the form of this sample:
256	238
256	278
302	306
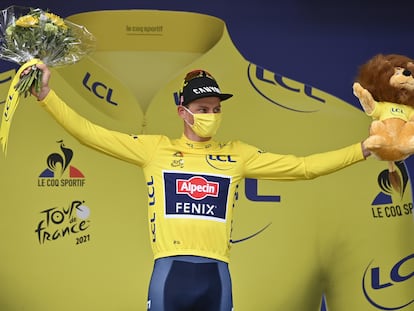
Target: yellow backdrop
73	226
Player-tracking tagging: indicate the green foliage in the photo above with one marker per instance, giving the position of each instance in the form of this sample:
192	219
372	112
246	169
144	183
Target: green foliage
37	34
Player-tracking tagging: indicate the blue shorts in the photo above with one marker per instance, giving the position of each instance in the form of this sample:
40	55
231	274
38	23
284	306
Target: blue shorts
189	283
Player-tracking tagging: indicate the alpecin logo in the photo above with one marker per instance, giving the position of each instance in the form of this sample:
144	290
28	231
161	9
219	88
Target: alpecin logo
196	196
59	172
57	223
197	187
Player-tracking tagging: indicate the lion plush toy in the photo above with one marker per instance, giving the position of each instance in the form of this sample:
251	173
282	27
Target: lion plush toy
385	89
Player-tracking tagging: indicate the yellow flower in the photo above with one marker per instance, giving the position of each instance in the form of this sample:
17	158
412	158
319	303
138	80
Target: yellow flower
27	21
58	21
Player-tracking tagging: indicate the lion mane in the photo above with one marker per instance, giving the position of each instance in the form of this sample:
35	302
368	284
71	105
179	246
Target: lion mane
375	76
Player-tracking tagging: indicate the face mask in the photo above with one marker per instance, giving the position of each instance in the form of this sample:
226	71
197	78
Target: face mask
205	124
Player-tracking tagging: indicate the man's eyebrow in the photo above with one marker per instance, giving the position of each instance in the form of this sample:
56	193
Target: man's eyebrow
203	105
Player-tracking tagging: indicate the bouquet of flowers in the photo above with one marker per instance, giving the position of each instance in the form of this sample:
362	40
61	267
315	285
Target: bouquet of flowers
29	36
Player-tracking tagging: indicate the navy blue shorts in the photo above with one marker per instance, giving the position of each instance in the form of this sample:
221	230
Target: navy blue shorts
190	283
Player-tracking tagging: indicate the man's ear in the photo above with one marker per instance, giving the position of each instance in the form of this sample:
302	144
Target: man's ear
180	111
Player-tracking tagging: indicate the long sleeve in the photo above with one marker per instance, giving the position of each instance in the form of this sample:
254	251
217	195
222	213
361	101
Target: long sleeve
263	165
131	148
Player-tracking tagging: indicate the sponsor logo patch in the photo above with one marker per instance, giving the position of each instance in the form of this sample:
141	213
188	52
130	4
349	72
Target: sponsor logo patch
190	195
197	187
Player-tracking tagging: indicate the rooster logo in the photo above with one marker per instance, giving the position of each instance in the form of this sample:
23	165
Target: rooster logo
58	163
386	184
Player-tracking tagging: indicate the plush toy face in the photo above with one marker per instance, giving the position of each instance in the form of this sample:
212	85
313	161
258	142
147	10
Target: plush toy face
402	79
389	78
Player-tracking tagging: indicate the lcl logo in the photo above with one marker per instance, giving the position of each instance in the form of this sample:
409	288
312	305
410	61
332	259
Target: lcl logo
99	89
396	110
382	280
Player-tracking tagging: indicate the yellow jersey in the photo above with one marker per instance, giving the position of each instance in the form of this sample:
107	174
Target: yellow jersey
192	186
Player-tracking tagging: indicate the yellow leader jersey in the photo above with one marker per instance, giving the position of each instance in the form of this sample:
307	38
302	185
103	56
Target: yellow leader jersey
192	186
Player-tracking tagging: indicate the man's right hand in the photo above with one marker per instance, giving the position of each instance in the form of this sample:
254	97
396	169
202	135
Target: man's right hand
44	89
